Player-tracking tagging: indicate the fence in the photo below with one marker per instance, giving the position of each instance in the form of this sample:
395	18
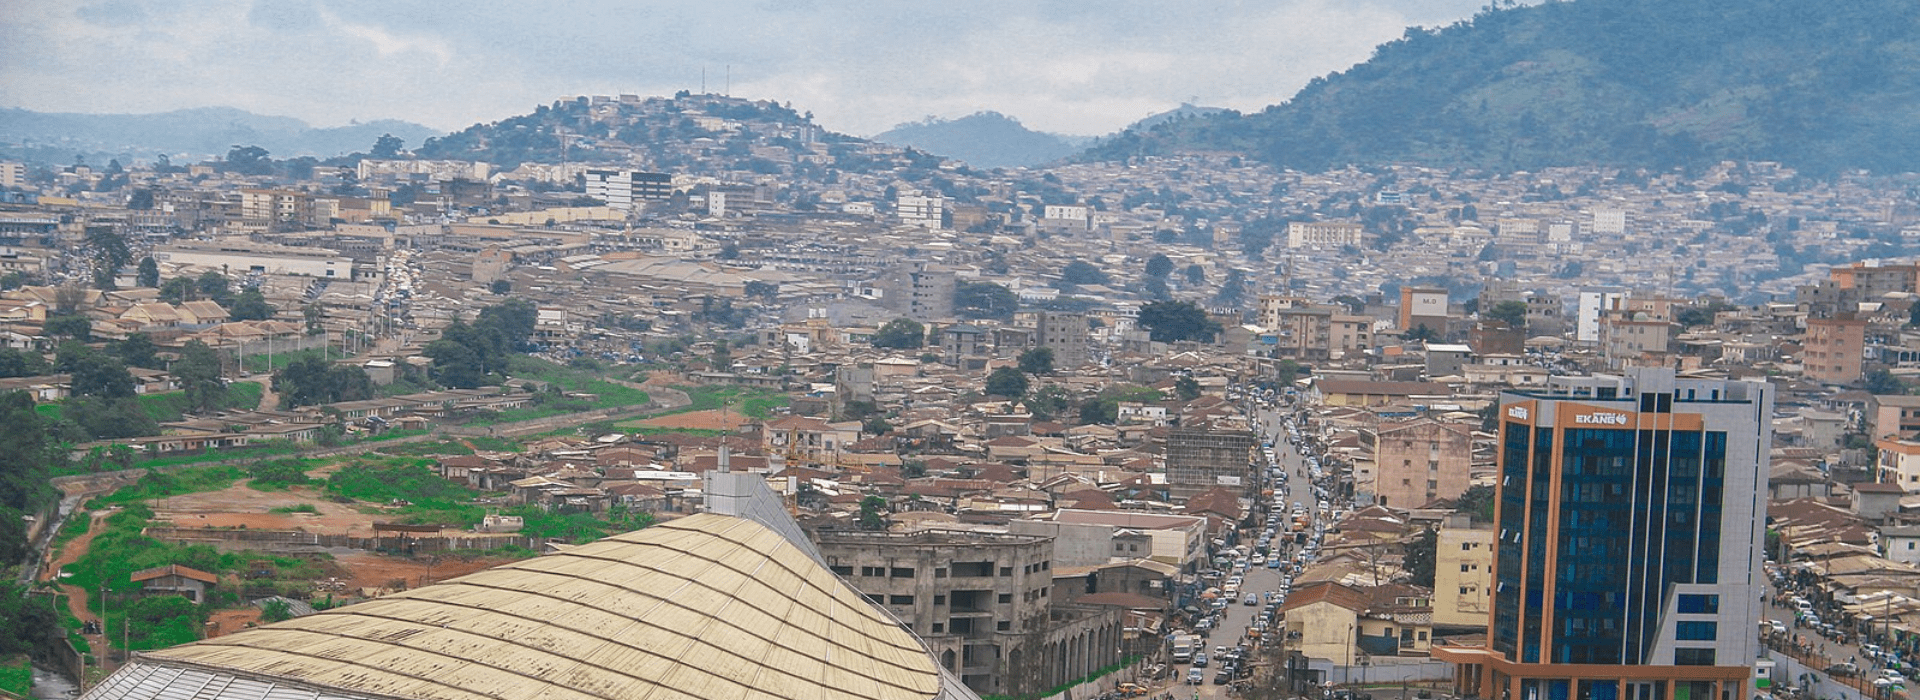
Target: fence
1387	670
1106	683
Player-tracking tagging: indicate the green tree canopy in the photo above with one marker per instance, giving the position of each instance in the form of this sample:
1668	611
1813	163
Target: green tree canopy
1159	266
1081	272
1512	313
1173	321
985	300
1037	360
310	380
250	305
198	370
900	334
1007	382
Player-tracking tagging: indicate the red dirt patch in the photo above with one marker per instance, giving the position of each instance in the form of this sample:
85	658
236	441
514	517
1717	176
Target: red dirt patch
705	420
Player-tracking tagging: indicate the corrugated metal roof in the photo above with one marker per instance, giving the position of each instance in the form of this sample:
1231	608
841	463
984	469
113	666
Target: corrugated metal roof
701	607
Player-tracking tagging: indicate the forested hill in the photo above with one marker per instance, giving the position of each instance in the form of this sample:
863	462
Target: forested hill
1821	87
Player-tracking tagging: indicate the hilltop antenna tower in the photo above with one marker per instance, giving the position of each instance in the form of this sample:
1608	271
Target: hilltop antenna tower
729	88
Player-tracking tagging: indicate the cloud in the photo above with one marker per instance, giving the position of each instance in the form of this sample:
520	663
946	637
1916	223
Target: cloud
1057	65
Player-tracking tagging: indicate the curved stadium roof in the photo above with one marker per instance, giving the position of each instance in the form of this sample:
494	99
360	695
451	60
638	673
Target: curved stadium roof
705	606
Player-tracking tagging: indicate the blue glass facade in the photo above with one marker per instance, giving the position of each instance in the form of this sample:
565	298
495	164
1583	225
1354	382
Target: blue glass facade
1587	556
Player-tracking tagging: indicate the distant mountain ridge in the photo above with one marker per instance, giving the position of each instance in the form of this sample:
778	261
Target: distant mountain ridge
983	140
202	131
1635	83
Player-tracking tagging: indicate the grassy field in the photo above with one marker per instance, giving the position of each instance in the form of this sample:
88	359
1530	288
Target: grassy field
16	676
259	363
754	403
172	405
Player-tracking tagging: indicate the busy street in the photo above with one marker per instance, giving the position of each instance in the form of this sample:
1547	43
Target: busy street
1233	621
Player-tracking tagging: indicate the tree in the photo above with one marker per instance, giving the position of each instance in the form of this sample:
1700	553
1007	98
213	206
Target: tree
1081	272
1196	275
502	287
1007	382
455	365
1037	361
99	375
110	253
249	160
215	286
27	452
1049	402
250	305
873	511
1233	290
1881	382
1186	387
900	334
1476	501
387	146
985	300
765	291
310	381
75	326
1420	556
22	363
1159	266
149	275
1173	321
275	610
137	351
1512	313
314	315
1420	333
198	370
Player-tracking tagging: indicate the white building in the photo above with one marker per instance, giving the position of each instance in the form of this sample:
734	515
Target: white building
1322	234
921	210
1593	303
621	188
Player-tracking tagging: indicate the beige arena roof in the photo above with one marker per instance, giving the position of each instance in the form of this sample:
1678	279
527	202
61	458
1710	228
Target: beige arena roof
707	606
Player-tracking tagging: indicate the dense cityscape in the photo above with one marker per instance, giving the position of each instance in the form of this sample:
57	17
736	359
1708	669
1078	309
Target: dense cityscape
691	396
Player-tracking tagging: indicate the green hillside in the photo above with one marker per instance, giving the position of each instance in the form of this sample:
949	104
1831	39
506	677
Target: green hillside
1647	83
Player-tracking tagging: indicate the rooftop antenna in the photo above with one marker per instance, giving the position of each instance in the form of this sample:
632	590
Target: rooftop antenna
703	80
729	92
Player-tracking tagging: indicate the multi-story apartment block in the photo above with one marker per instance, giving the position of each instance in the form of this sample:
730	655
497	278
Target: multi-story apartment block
620	189
1323	234
921	210
1463	573
1421	460
1833	348
919	289
1627	524
1066	334
1423	306
982	601
1899	463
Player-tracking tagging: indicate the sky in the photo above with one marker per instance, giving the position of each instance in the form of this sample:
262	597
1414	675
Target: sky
1083	67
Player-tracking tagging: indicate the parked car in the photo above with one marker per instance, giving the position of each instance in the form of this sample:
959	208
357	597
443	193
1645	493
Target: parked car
1196	676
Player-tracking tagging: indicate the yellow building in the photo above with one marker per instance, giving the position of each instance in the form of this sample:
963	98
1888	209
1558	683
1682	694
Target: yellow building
1463	574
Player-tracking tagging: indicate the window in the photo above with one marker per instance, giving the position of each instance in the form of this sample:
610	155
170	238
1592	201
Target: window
1699	604
940	572
940	600
1465	568
873	571
1003	625
902	572
899	600
1693	657
939	627
841	570
1696	631
1006	597
1006	571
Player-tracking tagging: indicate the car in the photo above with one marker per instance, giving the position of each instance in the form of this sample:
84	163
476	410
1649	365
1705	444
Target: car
1200	660
1843	669
1224	677
1251	599
1196	676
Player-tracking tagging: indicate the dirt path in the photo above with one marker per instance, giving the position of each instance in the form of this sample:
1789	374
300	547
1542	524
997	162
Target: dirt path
269	400
70	553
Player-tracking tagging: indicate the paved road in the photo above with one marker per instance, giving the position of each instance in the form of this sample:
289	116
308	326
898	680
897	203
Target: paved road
1238	617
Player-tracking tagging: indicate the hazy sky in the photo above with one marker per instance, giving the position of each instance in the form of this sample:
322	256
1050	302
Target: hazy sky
1079	67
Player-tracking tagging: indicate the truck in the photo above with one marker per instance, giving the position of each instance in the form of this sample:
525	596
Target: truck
1183	646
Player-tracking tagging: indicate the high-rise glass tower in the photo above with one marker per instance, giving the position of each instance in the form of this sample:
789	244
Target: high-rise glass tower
1629	541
